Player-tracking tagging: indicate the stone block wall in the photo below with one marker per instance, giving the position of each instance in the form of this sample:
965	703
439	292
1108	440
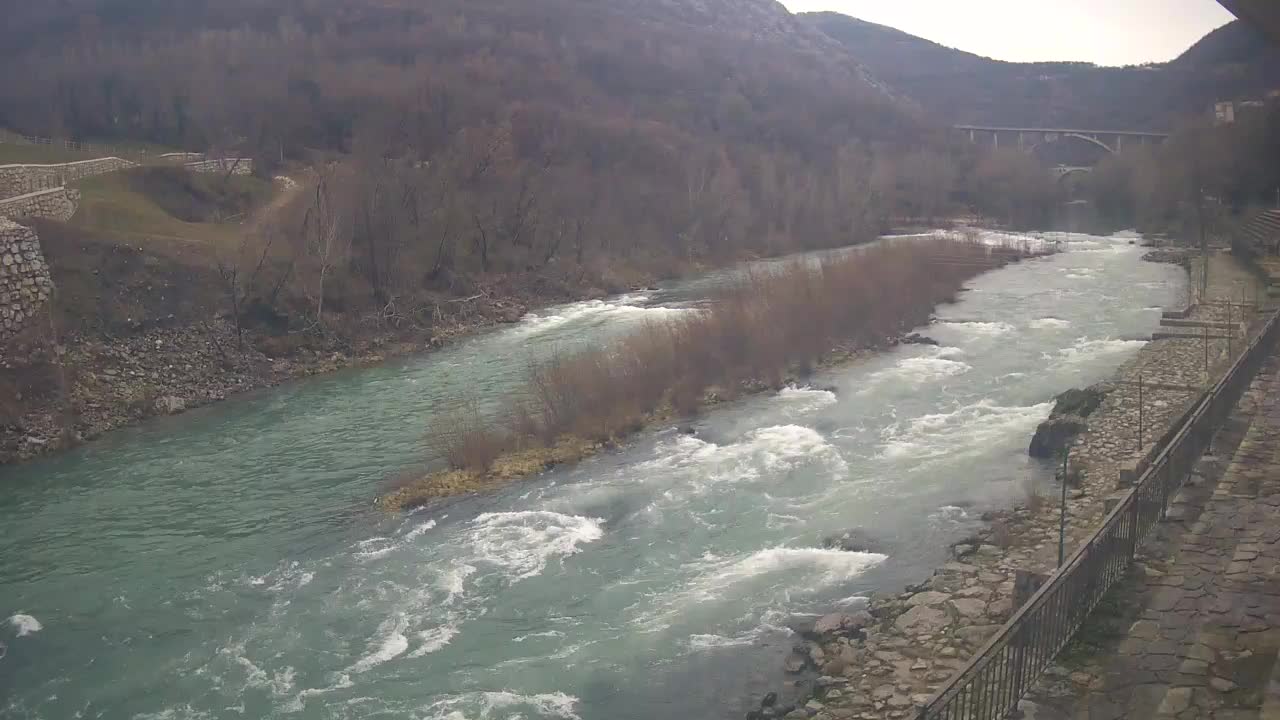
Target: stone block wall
25	284
60	203
24	179
182	157
237	166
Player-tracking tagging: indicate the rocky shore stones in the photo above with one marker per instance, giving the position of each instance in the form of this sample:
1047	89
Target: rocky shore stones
842	623
922	619
170	405
795	663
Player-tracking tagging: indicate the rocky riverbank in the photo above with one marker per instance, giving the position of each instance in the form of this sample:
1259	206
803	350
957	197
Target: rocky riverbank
68	393
888	659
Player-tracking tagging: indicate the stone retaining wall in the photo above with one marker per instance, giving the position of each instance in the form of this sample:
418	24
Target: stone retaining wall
182	157
23	179
60	203
236	166
24	278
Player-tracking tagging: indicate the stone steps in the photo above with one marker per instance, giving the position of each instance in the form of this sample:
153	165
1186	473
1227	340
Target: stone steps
1168	335
1217	325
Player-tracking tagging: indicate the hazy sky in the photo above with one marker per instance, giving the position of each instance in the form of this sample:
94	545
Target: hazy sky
1106	32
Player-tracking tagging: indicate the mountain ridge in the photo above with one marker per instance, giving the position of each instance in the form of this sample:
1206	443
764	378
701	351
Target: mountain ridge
1233	62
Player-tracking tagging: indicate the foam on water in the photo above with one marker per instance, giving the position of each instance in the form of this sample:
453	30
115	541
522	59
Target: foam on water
434	639
379	547
938	363
177	712
389	644
418	530
980	328
969	429
620	309
453	581
545	634
770	624
950	513
1050	323
717	579
767	453
24	624
522	543
824	566
502	704
341	681
807	399
1085	350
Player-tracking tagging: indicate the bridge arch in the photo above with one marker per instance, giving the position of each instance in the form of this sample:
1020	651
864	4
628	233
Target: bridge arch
1075	136
1062	172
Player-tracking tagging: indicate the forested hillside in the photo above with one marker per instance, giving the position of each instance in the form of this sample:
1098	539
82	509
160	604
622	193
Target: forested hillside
1234	62
582	137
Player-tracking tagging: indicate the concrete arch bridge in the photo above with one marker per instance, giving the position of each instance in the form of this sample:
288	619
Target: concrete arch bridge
1031	139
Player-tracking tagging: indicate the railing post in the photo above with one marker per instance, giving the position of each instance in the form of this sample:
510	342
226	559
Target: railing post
1062	516
1140	409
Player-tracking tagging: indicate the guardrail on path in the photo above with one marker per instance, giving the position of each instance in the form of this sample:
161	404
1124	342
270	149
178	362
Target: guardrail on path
995	679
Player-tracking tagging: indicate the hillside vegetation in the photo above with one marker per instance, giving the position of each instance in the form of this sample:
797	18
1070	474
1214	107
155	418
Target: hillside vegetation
453	163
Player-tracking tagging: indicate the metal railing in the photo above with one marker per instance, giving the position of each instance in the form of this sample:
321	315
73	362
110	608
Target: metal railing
995	679
19	139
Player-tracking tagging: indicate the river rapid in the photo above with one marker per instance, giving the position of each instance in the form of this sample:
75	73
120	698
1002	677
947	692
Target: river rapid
227	563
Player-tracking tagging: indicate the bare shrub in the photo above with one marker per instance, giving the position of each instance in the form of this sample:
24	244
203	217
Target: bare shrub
1001	535
467	442
1035	499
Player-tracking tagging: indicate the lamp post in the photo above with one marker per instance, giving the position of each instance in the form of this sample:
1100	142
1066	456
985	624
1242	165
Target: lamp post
1062	515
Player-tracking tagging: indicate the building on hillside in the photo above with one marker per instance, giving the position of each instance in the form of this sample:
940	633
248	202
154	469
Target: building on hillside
1224	113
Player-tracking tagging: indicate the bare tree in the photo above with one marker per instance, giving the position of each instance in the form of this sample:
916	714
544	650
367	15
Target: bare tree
325	241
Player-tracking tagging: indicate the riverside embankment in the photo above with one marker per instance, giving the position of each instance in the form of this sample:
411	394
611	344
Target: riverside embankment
888	658
170	366
229	559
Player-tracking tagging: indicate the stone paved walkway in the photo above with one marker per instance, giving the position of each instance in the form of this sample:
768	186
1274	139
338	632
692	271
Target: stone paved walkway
1203	640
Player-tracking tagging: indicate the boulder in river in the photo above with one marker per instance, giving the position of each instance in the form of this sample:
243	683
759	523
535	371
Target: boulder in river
918	339
1080	402
1067	420
1055	435
853	540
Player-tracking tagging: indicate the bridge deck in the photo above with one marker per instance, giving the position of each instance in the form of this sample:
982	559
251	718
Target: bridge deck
1126	133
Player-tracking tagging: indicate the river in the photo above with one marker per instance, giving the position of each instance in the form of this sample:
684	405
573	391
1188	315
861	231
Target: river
227	563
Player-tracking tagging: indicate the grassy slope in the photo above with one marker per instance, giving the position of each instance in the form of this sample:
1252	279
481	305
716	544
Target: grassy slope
41	155
118	206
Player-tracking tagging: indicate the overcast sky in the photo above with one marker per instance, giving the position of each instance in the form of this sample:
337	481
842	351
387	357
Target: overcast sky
1106	32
